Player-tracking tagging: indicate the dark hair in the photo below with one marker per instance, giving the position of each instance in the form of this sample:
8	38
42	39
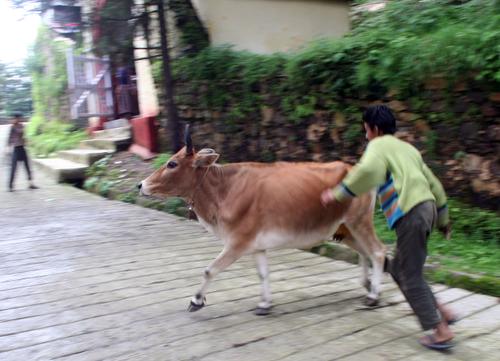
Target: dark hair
17	115
380	116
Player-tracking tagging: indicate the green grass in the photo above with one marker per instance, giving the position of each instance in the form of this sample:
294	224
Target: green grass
462	255
474	248
475	243
483	284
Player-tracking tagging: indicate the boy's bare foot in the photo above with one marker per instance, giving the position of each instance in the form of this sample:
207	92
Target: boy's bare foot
449	316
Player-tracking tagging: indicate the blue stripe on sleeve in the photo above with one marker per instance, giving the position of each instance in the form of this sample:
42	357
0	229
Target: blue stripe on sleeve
347	190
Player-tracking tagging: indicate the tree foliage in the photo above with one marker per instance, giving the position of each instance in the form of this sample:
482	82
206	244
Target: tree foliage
47	64
15	90
116	22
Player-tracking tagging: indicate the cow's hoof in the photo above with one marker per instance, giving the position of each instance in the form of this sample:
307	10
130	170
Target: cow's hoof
371	302
193	307
262	311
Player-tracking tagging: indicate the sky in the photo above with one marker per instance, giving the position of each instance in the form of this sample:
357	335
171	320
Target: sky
17	33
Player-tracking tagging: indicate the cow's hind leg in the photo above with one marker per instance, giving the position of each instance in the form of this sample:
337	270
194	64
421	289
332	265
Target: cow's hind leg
226	258
365	280
264	307
364	262
366	240
344	235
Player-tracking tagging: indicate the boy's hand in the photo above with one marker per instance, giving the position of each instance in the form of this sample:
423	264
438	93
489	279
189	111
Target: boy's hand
446	231
327	197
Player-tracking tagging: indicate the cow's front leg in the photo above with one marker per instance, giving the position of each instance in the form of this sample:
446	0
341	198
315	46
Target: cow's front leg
264	306
223	260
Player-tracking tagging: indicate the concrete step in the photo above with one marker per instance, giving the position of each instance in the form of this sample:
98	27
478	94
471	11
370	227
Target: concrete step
61	170
116	123
111	144
84	156
121	132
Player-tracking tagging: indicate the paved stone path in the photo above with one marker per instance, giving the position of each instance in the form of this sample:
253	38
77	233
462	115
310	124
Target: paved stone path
84	278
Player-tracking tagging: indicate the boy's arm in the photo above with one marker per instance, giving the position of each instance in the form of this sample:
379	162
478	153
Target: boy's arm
438	192
11	134
366	175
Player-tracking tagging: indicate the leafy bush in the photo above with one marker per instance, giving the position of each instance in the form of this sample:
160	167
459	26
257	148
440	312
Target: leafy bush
104	186
98	168
411	40
46	138
129	197
90	183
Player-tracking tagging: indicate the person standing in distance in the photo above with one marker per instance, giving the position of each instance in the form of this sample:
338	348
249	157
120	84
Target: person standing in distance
16	143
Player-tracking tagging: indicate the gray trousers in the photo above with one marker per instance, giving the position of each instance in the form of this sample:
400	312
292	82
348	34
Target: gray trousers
406	268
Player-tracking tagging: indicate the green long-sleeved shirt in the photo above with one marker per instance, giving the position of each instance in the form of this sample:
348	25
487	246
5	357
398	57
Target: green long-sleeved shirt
402	178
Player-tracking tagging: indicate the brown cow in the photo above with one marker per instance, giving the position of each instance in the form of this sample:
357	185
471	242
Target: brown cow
253	207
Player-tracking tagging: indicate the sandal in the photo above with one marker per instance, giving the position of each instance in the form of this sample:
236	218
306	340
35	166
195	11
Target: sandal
430	342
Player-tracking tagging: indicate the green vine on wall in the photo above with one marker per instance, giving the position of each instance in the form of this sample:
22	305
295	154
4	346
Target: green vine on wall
399	48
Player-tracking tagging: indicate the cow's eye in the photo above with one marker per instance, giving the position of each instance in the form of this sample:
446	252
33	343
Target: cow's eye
172	164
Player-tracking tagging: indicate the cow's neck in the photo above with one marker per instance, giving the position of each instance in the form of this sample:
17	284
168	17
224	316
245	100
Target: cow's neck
209	192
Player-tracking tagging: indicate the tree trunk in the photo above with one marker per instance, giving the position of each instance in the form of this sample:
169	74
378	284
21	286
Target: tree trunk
172	117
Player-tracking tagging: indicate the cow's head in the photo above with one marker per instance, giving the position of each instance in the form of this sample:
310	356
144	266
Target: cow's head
180	175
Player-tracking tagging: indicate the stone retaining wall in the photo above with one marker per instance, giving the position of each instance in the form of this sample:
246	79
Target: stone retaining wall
457	130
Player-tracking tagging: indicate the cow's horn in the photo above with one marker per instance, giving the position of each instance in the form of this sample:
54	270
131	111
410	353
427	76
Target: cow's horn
188	141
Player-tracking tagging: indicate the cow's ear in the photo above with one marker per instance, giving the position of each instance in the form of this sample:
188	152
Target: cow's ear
204	160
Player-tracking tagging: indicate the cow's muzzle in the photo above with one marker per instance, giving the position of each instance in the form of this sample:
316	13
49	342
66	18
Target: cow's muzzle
142	187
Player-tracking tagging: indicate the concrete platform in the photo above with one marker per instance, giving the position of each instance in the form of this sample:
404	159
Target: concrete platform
61	169
111	144
119	132
83	156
